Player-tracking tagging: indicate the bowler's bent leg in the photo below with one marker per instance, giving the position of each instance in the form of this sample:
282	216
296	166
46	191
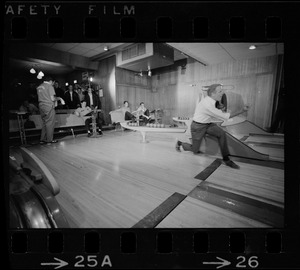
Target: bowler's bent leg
220	134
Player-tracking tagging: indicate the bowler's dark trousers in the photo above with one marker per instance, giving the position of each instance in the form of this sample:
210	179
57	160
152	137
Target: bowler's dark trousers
198	130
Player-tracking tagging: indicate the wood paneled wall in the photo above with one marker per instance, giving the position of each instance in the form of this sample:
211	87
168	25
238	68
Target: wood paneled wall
135	89
177	91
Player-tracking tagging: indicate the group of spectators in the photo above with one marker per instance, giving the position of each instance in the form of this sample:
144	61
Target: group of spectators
75	95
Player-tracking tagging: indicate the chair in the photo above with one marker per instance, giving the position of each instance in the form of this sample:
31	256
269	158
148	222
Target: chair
117	117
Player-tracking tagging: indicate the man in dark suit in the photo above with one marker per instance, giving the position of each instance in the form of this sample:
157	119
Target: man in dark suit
59	93
93	101
71	98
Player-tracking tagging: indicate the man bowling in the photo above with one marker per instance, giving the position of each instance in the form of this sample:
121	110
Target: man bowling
202	124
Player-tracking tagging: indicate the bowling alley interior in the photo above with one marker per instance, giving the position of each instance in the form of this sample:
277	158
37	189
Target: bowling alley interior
128	172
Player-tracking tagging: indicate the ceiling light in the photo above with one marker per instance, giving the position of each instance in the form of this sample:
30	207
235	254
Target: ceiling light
75	81
149	71
252	47
41	74
32	71
67	84
105	48
91	79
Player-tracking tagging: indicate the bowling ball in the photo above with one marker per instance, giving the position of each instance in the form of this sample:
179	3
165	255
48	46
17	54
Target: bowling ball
162	125
147	125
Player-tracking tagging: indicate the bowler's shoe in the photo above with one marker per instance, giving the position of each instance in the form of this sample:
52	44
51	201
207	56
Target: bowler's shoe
54	141
231	164
177	146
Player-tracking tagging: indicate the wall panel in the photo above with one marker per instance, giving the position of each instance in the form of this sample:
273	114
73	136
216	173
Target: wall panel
252	79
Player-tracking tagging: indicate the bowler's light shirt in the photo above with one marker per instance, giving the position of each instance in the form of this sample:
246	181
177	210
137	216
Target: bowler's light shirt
44	92
206	111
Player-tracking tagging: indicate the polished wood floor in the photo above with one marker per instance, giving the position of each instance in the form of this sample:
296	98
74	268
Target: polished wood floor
115	181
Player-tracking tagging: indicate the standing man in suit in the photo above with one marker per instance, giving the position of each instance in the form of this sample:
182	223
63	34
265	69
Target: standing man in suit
71	98
93	101
59	93
47	99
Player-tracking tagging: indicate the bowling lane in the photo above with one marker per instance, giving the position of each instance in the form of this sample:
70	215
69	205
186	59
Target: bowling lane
257	139
113	181
261	183
274	153
268	139
250	197
193	213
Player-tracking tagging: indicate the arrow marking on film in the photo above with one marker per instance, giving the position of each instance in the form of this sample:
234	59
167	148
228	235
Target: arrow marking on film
222	263
59	263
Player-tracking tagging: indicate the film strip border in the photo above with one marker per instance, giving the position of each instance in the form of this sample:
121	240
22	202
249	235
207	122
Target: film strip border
158	21
154	248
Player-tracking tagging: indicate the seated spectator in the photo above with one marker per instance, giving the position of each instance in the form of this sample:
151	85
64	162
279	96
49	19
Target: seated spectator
93	101
28	107
71	98
143	113
125	109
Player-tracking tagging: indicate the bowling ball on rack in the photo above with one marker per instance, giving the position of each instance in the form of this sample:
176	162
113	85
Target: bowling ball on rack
147	125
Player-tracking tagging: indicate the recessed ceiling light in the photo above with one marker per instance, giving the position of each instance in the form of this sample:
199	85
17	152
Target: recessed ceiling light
105	48
252	47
